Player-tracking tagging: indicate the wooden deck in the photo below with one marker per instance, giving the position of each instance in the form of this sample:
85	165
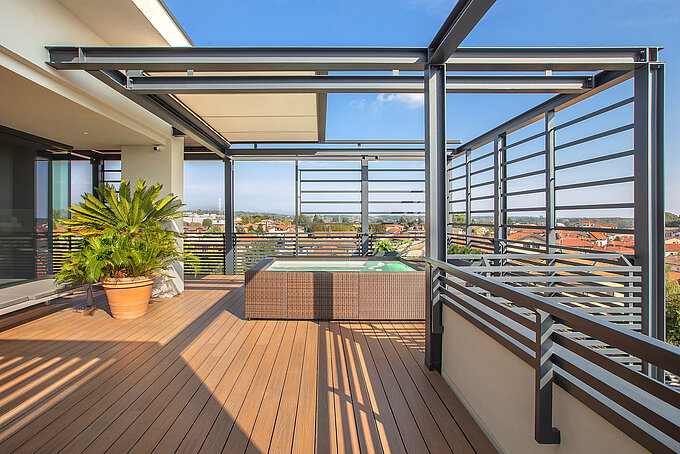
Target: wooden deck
193	375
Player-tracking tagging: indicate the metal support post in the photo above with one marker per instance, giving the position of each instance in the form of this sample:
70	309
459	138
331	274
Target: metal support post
297	205
649	199
468	197
365	234
544	433
449	204
435	188
550	223
50	216
229	258
500	213
97	173
433	318
503	181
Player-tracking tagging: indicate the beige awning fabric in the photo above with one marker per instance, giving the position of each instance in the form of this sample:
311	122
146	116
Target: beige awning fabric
258	117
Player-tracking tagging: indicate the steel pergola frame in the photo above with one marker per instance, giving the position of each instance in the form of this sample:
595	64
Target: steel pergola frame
229	59
137	72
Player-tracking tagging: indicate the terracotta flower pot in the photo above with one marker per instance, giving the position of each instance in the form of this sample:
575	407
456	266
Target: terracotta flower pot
128	296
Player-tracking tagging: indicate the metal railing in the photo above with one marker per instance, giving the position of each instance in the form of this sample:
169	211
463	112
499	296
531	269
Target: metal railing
251	248
556	340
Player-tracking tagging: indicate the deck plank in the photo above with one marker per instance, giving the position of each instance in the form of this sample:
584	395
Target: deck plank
194	375
57	417
364	418
245	419
158	410
261	433
345	424
426	422
326	435
231	391
408	428
282	437
140	374
390	438
448	426
477	438
140	387
305	422
156	432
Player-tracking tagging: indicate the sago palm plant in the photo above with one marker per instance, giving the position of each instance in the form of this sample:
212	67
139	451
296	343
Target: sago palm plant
122	235
123	210
120	254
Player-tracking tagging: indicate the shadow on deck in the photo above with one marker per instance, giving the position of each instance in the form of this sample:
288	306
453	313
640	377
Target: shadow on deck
194	375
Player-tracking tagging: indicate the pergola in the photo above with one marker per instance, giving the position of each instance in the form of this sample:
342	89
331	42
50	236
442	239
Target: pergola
156	78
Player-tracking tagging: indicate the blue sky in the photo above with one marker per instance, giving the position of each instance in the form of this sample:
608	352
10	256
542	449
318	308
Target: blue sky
414	23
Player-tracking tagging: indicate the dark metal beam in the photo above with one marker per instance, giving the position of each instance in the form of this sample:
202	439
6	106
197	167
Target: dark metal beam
354	84
435	204
238	58
170	110
322	150
460	22
386	142
345	59
649	197
321	107
229	259
323	153
543	58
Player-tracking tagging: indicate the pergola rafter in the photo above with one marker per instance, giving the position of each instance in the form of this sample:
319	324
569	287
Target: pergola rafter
224	59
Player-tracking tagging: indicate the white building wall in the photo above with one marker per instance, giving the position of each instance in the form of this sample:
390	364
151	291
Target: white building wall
165	167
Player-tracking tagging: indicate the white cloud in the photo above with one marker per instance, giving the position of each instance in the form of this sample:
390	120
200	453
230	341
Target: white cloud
358	103
408	100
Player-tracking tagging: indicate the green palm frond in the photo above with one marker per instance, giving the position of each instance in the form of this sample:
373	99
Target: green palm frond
122	234
126	209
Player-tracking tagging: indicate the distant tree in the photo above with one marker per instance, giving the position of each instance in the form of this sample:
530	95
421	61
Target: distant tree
245	219
458	219
377	228
672	220
317	224
207	222
345	220
260	229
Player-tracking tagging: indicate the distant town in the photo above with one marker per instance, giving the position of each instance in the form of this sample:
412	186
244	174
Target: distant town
209	221
592	233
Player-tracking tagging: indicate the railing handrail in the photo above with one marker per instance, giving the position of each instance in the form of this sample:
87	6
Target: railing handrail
644	347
